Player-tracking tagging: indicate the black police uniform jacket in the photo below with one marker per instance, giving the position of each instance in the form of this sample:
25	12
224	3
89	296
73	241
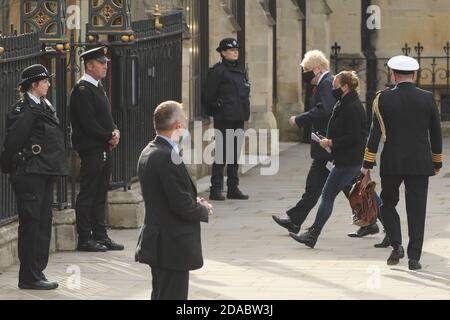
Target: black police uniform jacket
32	126
91	119
412	125
321	106
226	93
347	129
170	237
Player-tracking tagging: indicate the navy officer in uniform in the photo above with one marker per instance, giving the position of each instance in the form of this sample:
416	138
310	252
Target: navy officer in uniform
407	119
94	136
34	154
226	97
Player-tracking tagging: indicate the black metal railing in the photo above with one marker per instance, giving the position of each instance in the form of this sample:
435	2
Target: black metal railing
434	73
144	74
20	52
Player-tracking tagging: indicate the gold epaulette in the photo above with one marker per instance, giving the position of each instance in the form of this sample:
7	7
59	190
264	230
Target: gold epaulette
370	156
376	111
437	158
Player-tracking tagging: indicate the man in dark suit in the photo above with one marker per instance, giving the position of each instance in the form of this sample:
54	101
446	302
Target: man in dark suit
408	120
170	239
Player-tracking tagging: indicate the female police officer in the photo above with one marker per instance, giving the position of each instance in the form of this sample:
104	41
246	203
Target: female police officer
34	154
226	97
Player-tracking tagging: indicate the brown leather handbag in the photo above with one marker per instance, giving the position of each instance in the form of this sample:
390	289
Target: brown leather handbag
362	201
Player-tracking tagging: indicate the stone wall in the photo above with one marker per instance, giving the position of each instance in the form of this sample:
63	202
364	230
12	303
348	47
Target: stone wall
259	55
318	26
289	56
220	27
401	22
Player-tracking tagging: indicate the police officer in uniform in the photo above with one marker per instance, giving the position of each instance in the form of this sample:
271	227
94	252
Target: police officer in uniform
226	97
34	154
407	119
94	136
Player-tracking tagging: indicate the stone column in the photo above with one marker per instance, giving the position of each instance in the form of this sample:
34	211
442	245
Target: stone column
289	51
318	26
220	27
259	46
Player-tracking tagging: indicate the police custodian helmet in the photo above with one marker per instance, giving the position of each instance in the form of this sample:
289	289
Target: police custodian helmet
227	43
34	73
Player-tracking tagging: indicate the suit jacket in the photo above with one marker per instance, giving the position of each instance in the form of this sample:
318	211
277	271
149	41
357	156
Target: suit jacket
321	106
170	237
413	143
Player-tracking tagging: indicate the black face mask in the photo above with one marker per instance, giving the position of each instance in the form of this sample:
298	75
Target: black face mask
308	76
338	93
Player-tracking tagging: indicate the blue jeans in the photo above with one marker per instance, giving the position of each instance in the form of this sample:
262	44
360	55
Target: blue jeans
338	179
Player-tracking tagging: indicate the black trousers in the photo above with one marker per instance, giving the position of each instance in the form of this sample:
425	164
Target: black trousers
317	176
169	284
90	208
416	193
223	157
34	194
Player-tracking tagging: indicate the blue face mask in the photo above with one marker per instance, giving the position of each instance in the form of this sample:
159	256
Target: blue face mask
186	135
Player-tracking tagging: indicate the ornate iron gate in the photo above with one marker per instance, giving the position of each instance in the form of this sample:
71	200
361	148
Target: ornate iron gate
144	74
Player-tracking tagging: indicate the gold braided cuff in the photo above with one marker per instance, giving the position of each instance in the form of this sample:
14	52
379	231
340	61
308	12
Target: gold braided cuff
436	157
369	156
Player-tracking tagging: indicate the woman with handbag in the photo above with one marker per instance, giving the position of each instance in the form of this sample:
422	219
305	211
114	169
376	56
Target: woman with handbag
35	152
346	137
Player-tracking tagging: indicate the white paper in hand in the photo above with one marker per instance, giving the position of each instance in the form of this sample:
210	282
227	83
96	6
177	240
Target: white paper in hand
317	139
330	166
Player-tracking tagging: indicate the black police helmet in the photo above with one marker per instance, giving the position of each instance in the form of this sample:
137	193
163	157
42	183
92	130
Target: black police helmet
227	43
34	73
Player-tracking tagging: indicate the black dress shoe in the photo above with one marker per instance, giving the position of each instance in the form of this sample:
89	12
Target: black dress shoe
237	194
365	231
309	238
111	245
216	196
91	246
383	244
414	264
395	256
287	223
39	285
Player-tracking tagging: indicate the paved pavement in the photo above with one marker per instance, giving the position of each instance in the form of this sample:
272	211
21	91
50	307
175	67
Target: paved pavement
247	256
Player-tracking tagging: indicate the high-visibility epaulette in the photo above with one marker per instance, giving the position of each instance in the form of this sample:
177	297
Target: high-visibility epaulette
376	111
